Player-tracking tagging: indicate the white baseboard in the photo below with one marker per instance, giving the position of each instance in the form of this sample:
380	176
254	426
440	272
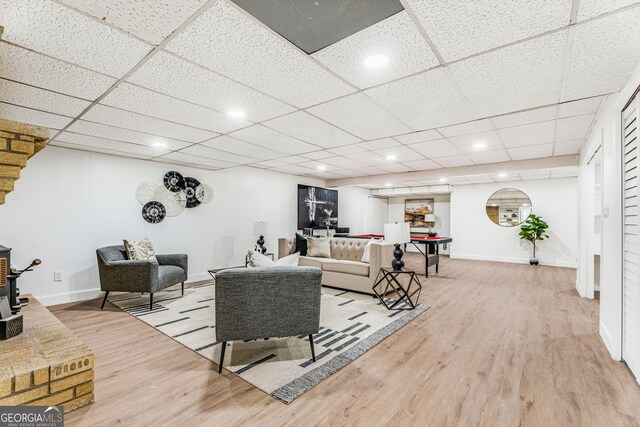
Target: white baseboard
579	289
553	263
608	341
88	294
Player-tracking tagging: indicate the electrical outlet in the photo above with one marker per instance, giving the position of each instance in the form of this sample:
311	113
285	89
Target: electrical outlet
57	276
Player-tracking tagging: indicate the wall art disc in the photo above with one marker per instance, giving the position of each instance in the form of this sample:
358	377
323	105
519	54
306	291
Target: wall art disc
204	193
190	185
147	192
153	212
174	203
173	181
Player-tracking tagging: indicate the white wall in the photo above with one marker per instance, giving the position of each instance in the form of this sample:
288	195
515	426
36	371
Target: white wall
352	211
68	203
441	209
606	132
475	236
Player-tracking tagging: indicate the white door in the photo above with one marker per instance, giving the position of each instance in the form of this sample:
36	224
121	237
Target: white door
631	239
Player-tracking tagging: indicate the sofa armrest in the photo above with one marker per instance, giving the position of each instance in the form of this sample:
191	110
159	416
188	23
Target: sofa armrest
381	256
128	275
179	260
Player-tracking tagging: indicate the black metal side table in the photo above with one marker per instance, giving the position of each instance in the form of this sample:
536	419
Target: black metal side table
397	289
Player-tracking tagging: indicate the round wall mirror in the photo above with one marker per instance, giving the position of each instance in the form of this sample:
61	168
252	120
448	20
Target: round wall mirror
508	207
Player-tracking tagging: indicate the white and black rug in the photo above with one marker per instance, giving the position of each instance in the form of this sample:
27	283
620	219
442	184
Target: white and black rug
350	324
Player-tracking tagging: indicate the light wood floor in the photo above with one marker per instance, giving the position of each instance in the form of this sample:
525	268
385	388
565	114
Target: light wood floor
502	345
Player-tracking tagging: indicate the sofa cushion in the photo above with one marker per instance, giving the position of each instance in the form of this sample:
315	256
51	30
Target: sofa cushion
170	275
301	245
319	247
349	267
140	251
308	261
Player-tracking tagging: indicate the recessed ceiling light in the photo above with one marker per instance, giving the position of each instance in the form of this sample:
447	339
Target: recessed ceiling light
388	184
525	204
376	61
236	113
479	145
159	144
502	175
443	179
391	157
321	167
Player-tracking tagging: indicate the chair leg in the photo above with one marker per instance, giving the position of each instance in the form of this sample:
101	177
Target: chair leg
106	294
224	347
151	301
313	350
182	288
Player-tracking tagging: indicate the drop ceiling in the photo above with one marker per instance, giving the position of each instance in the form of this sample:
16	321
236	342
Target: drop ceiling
466	84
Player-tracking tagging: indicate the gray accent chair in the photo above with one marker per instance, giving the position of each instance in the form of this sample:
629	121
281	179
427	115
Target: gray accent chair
254	303
119	274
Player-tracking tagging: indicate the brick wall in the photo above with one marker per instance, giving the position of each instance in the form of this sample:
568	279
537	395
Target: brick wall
18	142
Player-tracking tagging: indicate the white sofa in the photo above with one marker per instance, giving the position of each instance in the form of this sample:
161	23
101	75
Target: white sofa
345	269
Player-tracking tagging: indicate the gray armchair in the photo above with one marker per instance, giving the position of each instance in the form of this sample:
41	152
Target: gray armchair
119	274
254	303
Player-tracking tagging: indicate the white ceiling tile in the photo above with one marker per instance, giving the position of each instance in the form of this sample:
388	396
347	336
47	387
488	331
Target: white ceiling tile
293	160
96	149
197	160
400	154
176	162
495	82
126	119
242	148
342	162
273	140
395	168
454	161
69	35
590	8
269	164
459	181
412	138
30	97
396	37
378	144
223	39
532	152
151	21
422	165
477	142
475	126
366	171
577	108
460	29
424	101
346	149
295	169
368	158
143	101
314	164
308	128
211	153
534	172
173	76
33	117
435	149
602	55
326	175
489	157
38	70
317	155
359	115
525	117
108	145
126	135
533	134
576	127
567	147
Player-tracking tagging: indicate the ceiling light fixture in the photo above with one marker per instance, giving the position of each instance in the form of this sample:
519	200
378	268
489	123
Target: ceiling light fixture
388	184
391	157
236	113
479	145
502	175
321	167
376	61
159	144
443	179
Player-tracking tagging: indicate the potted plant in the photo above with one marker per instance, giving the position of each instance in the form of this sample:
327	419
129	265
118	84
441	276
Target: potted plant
533	229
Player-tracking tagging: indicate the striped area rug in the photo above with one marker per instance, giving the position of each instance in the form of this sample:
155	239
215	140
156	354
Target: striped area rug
350	324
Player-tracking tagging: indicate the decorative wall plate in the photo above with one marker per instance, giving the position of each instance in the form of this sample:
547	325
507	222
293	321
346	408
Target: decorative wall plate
204	193
153	212
190	185
174	181
147	192
174	203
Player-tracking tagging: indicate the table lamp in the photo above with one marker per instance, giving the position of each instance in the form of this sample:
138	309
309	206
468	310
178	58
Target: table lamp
259	229
397	234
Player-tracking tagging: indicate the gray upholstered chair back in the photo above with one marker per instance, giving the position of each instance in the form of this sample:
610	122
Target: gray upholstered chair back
113	253
267	302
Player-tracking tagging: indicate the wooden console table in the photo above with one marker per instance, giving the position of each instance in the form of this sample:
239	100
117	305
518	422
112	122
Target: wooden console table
46	364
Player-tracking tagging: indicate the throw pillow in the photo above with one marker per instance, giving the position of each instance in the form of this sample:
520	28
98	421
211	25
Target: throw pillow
289	260
142	250
256	259
301	245
366	255
319	247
